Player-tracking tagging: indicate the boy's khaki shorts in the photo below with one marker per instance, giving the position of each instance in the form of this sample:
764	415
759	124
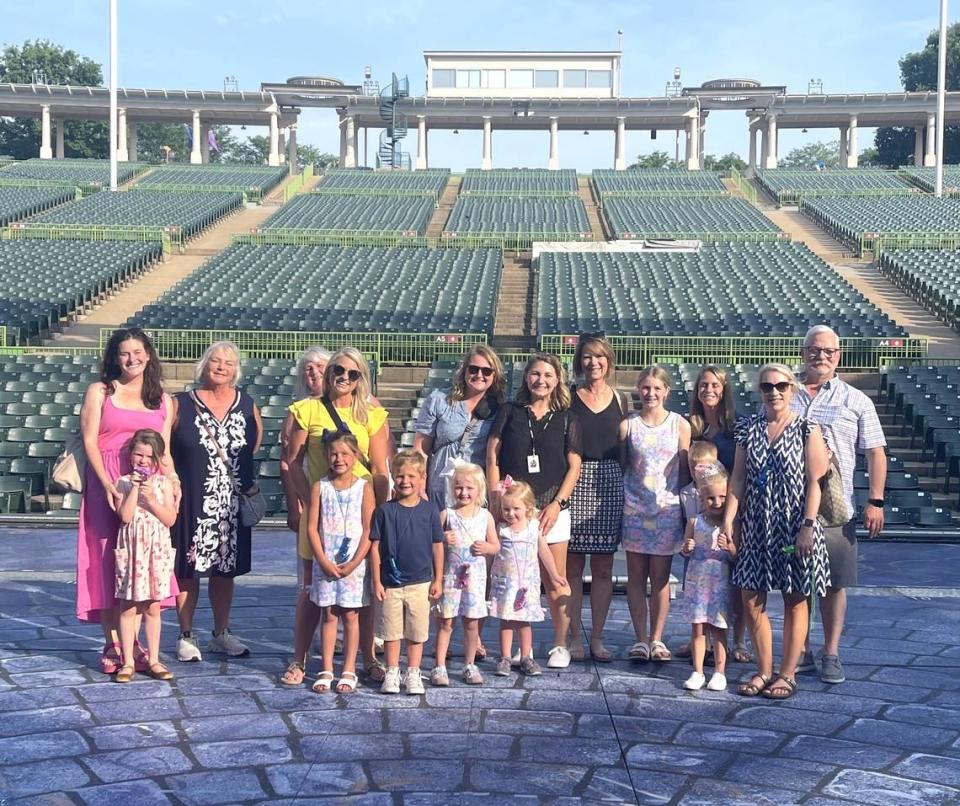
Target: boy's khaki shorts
405	613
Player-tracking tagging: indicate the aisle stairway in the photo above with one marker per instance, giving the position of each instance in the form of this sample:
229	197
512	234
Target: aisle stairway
447	199
593	214
516	321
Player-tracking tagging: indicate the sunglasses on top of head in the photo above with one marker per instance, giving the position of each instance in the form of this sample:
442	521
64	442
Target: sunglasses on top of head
352	374
473	369
781	386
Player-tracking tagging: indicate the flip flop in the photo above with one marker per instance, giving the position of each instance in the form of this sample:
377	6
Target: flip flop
750	689
740	654
786	686
293	675
323	682
601	655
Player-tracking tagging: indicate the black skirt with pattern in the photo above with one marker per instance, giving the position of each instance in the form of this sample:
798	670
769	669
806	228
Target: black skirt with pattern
596	508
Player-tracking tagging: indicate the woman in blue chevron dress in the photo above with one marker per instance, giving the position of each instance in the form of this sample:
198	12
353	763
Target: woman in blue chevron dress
775	488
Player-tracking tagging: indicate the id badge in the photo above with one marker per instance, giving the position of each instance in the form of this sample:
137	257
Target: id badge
533	463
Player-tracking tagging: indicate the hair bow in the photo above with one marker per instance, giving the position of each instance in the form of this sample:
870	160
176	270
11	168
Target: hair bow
505	484
329	435
705	469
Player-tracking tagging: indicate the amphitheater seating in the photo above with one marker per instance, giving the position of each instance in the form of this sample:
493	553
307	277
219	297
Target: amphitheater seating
349	179
761	289
20	202
925	178
77	171
409	214
850	218
527	215
258	178
273	287
519	182
788	186
930	276
44	280
655	182
704	218
191	212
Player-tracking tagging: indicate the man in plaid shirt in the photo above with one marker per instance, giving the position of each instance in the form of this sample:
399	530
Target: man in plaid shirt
849	422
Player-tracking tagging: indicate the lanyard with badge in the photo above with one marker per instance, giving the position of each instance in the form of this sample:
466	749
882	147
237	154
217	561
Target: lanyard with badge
533	459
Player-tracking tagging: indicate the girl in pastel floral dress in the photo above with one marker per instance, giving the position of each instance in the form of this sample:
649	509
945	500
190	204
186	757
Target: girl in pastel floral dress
706	589
515	576
341	507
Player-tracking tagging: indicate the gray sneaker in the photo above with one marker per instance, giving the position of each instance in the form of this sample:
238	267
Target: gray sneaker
807	664
226	643
529	667
188	649
831	670
503	668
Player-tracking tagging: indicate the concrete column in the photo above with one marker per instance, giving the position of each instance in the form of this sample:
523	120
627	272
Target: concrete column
196	155
553	162
123	154
844	152
273	156
918	146
421	142
292	150
701	137
853	151
764	147
132	143
929	155
205	143
46	152
350	157
693	144
770	161
60	151
752	161
282	146
343	142
686	143
486	162
619	146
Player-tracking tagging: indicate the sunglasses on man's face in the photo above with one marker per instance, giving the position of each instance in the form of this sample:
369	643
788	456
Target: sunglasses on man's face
781	386
473	369
352	374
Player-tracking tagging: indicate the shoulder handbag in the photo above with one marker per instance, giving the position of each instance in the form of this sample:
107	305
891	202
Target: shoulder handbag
834	510
70	467
253	506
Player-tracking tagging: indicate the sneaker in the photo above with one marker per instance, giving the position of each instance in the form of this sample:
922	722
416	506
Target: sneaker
695	681
439	677
472	676
226	643
718	682
531	668
558	658
504	667
188	649
413	682
391	681
832	670
807	664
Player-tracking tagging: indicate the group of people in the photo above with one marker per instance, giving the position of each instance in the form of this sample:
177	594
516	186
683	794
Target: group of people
496	499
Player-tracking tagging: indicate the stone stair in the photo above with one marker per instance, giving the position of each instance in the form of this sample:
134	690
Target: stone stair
593	214
447	199
515	325
397	391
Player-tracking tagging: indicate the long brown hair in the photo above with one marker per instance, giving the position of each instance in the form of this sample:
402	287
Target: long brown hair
152	390
458	389
560	397
727	415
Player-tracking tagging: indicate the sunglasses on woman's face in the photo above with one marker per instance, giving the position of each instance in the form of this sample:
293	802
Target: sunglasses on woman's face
781	386
473	369
352	374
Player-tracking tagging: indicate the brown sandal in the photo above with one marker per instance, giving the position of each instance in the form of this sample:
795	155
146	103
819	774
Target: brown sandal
750	689
125	673
159	672
740	654
783	688
293	675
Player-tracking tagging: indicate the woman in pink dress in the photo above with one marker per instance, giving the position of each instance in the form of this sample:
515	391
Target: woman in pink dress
129	396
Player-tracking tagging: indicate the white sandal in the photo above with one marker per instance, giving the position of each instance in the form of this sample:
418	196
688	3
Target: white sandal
323	682
663	653
639	652
347	681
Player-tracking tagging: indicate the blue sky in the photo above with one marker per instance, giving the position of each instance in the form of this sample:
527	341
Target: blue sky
852	46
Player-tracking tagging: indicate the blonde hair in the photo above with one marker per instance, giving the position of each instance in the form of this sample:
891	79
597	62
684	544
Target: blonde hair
656	372
458	389
476	474
780	369
717	475
727	414
226	346
560	397
360	406
523	492
408	459
602	346
702	451
312	355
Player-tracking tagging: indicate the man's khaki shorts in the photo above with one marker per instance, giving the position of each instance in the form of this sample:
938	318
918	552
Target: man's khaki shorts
405	613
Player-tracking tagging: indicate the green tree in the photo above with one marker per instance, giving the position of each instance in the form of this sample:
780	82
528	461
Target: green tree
658	159
812	155
918	73
45	61
724	163
320	160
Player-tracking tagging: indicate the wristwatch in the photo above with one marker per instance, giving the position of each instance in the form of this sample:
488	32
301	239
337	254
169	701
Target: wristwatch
875	502
563	503
809	522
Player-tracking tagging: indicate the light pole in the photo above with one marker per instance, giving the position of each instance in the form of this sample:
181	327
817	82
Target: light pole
941	97
113	94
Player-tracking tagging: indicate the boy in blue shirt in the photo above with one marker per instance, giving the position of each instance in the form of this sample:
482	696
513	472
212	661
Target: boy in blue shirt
406	569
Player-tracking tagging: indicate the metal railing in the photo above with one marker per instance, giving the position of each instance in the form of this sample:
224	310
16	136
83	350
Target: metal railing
859	354
41	349
250	193
743	185
393	193
708	237
519	194
517	241
792	198
170	236
180	344
875	243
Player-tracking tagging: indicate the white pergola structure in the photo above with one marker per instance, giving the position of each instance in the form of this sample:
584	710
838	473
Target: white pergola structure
199	109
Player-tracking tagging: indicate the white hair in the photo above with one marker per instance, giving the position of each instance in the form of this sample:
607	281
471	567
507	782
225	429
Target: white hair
226	346
816	330
311	355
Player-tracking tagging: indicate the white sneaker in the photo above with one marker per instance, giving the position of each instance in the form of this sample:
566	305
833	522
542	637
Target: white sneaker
694	682
391	681
188	649
413	682
226	643
558	658
717	683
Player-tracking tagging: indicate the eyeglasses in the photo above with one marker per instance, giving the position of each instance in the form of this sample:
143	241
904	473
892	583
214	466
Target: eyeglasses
352	374
473	369
781	386
827	352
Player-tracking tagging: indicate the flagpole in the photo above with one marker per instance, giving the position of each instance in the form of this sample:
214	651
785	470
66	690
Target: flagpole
113	95
941	97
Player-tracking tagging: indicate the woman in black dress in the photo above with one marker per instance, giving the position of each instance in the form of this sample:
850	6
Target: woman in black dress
216	431
596	506
536	439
